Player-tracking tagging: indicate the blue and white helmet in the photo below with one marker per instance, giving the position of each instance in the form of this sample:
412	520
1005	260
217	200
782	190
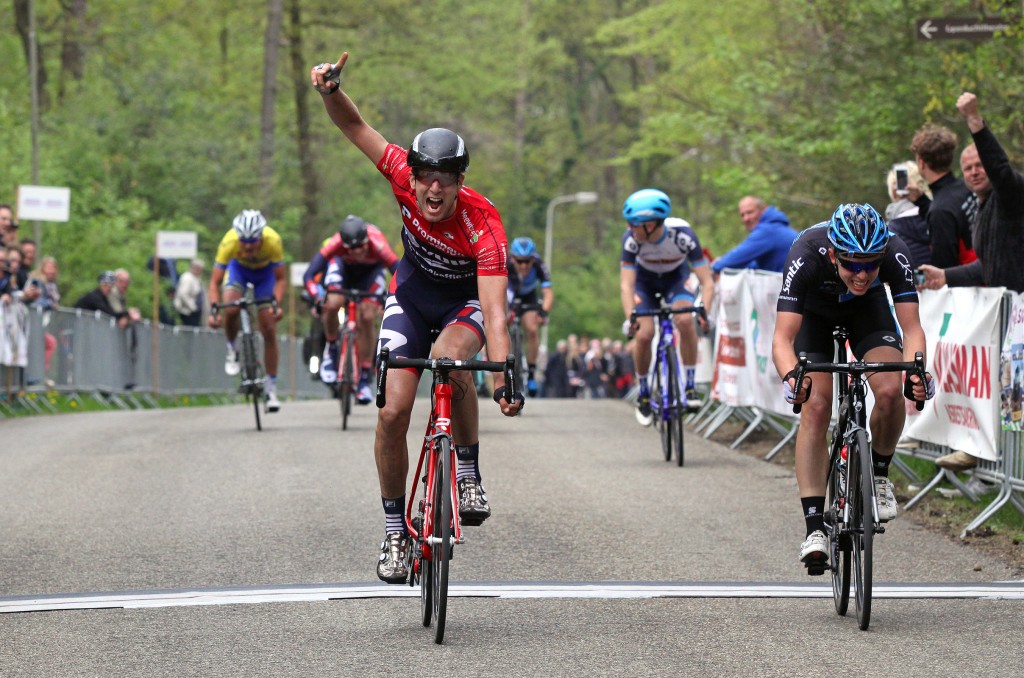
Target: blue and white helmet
858	231
648	204
523	247
249	225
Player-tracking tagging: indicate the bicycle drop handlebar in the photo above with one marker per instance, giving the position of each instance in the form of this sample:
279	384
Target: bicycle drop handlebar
856	369
242	303
443	365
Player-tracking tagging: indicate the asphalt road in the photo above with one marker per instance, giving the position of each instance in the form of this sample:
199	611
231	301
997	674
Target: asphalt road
237	527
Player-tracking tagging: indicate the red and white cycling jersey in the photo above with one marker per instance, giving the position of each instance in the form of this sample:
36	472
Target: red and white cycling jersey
468	244
378	250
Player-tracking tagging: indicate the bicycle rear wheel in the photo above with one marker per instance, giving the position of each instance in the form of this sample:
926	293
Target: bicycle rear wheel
861	497
839	544
440	551
251	375
516	333
425	572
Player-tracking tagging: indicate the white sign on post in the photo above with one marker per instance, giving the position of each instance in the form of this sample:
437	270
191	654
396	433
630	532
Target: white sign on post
44	203
177	244
296	271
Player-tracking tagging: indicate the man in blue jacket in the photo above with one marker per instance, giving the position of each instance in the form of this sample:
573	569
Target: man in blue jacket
768	243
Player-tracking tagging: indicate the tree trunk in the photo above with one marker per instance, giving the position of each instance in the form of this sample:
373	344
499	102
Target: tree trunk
271	40
72	51
309	234
21	22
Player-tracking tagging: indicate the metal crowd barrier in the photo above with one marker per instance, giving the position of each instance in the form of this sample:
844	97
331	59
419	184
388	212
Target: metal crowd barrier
93	355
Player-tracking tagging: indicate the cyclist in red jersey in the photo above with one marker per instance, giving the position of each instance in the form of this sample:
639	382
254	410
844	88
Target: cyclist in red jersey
355	258
453	279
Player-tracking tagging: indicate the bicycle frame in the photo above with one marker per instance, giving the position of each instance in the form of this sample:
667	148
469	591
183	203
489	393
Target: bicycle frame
252	379
666	359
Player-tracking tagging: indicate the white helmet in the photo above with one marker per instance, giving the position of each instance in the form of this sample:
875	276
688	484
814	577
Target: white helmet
249	225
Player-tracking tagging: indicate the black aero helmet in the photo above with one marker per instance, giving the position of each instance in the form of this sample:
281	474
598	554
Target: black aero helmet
352	231
438	149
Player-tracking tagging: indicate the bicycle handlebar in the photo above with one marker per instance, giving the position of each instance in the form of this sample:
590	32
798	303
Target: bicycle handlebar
242	303
444	365
357	295
858	368
667	311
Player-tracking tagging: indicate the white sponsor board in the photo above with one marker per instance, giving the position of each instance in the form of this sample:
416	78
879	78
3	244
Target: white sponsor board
177	244
733	378
296	271
962	328
44	203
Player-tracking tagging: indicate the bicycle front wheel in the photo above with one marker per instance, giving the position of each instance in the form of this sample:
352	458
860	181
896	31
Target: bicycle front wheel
862	519
675	408
441	548
251	375
346	385
839	543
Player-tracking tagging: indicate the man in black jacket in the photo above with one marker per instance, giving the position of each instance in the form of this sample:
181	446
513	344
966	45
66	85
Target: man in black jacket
998	231
96	299
949	212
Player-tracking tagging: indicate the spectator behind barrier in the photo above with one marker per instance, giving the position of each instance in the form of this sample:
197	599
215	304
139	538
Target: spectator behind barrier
905	218
767	245
8	226
950	212
49	299
189	300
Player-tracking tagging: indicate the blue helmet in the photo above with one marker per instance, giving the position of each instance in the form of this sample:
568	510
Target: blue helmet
523	247
857	230
648	204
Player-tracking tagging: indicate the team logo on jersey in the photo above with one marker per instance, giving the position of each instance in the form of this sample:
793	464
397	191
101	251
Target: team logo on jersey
908	271
449	235
794	267
406	213
474	238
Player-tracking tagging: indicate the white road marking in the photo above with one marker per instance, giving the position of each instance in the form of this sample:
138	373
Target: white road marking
519	590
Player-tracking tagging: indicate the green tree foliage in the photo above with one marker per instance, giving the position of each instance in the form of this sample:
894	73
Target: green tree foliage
804	102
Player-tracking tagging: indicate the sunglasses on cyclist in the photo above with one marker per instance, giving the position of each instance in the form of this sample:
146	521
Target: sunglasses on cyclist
444	178
858	266
523	262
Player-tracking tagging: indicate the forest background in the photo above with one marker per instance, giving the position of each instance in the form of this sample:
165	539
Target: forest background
177	114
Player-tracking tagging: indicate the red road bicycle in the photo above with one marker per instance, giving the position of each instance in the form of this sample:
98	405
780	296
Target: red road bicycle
348	353
432	520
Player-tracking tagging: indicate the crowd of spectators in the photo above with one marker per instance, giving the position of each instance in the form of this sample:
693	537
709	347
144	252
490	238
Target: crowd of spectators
583	367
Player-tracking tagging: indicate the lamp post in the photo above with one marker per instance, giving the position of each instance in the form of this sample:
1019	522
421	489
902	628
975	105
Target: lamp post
581	198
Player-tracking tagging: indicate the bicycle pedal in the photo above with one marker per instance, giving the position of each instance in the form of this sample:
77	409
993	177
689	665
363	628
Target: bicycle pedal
816	568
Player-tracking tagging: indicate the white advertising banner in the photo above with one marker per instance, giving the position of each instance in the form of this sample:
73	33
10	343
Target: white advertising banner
733	381
177	244
962	328
44	203
767	387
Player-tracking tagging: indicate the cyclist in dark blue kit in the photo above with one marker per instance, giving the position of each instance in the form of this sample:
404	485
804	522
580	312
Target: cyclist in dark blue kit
526	276
834	276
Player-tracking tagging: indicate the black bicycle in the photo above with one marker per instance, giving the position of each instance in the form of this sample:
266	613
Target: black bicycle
851	507
517	336
253	377
668	397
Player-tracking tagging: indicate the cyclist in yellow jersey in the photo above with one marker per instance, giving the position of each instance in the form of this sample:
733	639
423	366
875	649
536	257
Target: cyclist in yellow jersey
251	252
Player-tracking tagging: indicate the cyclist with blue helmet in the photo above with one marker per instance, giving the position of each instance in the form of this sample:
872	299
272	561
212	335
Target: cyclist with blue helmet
834	275
658	254
526	276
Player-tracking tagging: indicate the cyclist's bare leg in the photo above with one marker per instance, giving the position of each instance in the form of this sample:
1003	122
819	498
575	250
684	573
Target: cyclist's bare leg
811	452
531	324
366	332
268	328
687	334
390	449
889	412
459	341
230	315
642	345
329	315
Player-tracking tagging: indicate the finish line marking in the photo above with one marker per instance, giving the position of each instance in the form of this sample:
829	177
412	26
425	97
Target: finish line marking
511	590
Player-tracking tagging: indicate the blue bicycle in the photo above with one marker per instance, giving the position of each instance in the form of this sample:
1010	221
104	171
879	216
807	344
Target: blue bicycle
668	397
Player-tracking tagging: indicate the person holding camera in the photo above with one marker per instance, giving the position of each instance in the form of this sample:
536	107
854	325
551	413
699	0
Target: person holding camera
905	219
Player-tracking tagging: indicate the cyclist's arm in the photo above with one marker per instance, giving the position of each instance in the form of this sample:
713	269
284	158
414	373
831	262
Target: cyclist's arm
707	285
547	299
216	280
346	116
492	292
909	317
787	325
316	265
280	285
627	288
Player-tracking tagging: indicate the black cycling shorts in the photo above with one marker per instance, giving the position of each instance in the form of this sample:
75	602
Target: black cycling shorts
868	319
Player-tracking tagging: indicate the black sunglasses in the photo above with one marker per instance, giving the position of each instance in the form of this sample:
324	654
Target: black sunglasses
858	266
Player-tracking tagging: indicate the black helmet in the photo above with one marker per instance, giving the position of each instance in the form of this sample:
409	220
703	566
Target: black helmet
352	231
438	149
